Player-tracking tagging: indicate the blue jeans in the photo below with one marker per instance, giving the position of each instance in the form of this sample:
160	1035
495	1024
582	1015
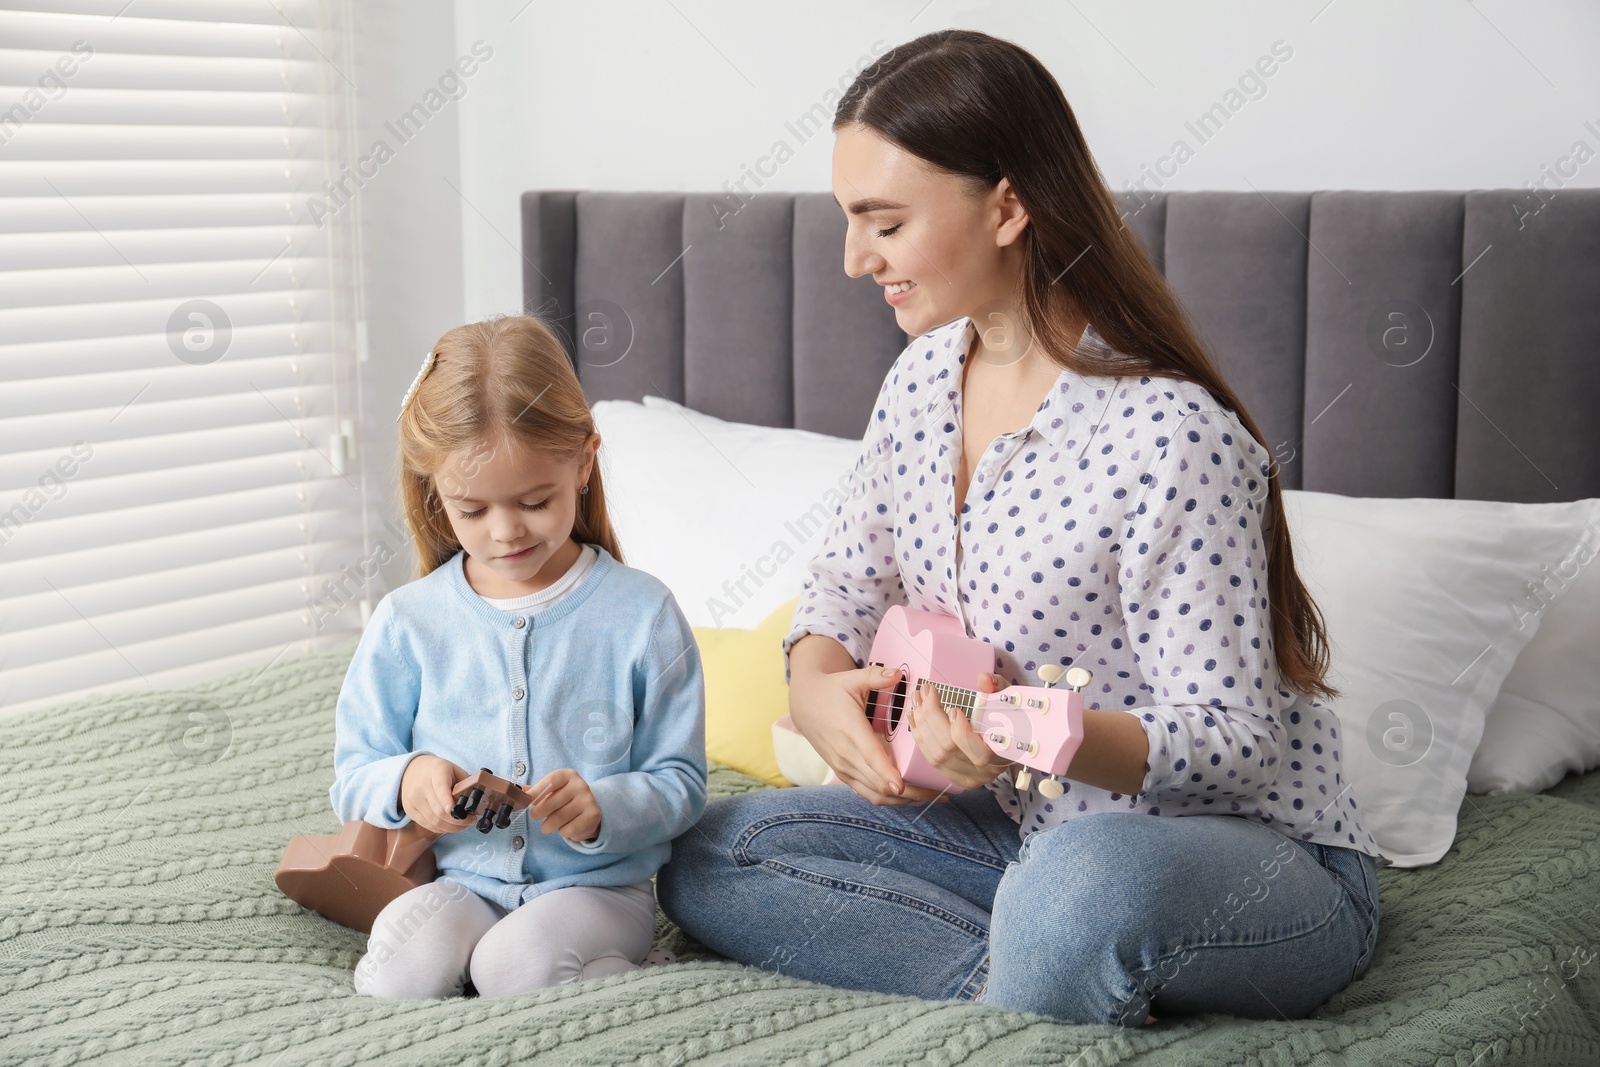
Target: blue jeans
1103	919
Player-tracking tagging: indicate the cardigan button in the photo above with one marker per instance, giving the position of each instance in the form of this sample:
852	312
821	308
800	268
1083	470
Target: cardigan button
519	622
519	768
516	694
516	842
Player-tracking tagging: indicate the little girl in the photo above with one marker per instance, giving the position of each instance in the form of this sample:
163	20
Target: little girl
526	647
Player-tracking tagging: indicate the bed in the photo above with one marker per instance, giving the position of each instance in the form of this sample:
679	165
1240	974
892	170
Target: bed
140	925
139	922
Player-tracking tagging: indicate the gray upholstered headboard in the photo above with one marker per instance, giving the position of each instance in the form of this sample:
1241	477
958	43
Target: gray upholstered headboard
1430	344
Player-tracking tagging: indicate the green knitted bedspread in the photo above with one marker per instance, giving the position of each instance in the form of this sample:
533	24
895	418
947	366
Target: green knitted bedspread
139	924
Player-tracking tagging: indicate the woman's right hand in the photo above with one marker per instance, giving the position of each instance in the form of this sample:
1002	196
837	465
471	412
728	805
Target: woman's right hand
425	794
830	711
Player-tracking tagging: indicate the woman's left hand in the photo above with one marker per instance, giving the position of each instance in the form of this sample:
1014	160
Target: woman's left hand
949	742
566	804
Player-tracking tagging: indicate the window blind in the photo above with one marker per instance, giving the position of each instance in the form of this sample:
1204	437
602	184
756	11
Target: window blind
178	491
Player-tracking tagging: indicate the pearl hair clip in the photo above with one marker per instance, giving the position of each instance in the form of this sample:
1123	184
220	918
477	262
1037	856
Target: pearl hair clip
427	365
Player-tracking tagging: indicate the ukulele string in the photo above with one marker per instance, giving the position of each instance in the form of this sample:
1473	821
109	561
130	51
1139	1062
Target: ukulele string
949	696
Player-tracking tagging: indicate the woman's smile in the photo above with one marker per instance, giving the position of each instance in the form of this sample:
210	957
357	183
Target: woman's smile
898	293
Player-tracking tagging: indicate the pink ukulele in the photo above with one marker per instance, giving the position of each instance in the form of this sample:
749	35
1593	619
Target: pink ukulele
1038	727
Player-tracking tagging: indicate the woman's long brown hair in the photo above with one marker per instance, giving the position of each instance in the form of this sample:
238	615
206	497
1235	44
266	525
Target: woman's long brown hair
985	109
491	381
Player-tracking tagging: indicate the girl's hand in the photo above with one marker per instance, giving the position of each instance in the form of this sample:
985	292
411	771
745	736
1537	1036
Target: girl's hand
830	711
425	794
567	805
948	740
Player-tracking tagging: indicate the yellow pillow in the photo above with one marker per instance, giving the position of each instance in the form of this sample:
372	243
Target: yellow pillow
745	693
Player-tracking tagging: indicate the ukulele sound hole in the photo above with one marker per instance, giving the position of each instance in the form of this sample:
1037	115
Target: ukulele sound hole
897	701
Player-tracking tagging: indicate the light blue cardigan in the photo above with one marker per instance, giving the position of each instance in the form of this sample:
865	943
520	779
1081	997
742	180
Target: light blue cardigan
607	681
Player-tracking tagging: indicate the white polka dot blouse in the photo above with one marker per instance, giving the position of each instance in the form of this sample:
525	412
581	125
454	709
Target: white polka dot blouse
1122	531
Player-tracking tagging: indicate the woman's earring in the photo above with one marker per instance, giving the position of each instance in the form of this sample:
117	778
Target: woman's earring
585	489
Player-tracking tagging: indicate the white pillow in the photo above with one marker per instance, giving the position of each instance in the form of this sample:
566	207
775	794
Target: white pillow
1546	721
727	514
1421	598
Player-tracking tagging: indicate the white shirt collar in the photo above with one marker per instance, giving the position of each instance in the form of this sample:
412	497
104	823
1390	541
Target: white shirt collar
1055	420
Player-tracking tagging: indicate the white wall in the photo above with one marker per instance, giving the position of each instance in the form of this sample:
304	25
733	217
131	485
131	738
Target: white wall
646	94
411	233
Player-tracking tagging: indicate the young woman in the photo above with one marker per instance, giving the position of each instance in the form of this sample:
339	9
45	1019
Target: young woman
1056	462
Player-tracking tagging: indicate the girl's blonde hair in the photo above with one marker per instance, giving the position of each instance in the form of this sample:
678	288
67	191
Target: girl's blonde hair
504	378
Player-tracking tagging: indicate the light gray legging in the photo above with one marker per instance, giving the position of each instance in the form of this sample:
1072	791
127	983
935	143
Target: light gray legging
429	940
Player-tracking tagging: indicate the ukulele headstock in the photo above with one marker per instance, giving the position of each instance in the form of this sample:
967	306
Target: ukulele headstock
492	798
1036	726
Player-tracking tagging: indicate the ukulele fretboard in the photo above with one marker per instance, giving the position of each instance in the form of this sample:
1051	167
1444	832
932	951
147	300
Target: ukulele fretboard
951	696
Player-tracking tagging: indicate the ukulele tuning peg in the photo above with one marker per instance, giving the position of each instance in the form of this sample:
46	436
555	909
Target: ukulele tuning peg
1050	788
467	803
1050	674
1024	779
503	819
1078	678
486	821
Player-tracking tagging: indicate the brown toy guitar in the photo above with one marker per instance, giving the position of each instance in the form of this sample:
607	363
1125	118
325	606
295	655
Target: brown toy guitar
350	876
